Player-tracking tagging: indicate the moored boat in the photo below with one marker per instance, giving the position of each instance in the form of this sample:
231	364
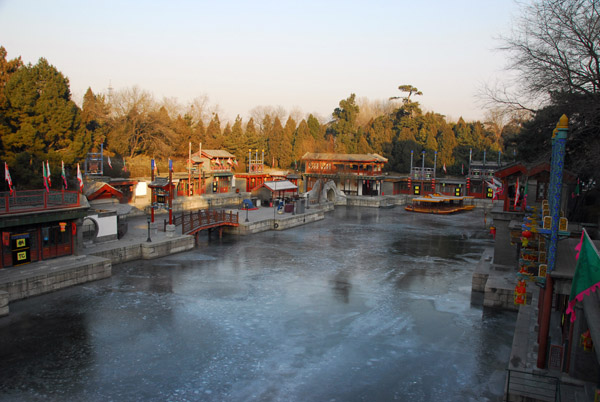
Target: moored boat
440	204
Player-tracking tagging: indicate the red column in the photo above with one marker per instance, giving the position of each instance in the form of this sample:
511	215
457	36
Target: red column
545	324
170	196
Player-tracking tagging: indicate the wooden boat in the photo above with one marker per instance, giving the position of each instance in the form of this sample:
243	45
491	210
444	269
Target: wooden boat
441	204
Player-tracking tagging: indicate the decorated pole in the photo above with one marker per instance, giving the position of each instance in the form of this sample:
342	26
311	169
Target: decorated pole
559	139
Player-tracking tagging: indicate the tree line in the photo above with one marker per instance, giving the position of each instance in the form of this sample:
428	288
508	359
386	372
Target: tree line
40	122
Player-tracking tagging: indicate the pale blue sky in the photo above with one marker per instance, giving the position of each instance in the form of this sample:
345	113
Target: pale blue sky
241	54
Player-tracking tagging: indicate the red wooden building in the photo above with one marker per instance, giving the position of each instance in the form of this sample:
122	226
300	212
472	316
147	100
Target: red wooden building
211	171
38	225
354	174
536	178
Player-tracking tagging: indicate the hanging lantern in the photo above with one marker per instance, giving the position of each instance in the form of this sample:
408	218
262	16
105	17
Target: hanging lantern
493	231
520	293
586	341
527	234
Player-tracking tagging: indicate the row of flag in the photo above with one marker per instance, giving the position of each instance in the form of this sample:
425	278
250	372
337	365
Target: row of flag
46	176
230	162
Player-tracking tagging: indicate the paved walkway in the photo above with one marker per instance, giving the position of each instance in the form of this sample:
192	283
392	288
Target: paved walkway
137	227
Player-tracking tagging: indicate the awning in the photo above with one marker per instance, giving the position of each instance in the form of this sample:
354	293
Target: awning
280	185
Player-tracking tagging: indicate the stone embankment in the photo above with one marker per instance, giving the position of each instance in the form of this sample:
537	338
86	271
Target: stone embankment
95	260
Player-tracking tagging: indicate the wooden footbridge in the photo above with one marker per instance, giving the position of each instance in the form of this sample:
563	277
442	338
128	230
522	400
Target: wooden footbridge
193	222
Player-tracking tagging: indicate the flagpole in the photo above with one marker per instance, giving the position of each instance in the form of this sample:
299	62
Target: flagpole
189	168
152	162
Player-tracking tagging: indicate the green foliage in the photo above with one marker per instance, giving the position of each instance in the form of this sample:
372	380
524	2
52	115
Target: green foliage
343	129
40	122
40	118
214	137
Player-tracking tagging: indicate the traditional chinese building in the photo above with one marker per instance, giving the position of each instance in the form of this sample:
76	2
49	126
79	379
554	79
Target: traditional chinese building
354	174
38	225
255	174
533	183
211	172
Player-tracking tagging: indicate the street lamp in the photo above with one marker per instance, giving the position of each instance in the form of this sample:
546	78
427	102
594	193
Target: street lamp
149	239
246	205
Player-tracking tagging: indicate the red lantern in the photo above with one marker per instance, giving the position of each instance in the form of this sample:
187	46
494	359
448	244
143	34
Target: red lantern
527	234
493	231
520	296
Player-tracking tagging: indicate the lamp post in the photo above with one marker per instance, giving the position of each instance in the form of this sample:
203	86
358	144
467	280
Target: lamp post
307	201
247	213
149	239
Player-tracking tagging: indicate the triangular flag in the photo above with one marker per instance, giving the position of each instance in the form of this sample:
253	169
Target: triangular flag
79	178
587	273
48	173
109	163
45	177
63	174
445	172
517	194
7	178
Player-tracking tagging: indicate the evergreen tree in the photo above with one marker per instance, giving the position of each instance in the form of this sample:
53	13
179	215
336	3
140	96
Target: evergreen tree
7	68
253	141
343	129
235	142
41	120
214	137
275	144
286	157
95	116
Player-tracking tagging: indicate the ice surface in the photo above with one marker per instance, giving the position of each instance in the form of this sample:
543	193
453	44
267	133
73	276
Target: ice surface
365	305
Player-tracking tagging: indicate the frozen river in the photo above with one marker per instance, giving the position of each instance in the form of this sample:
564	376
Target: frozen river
366	305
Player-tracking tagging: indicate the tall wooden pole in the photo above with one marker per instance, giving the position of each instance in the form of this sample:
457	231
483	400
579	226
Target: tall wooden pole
170	192
152	190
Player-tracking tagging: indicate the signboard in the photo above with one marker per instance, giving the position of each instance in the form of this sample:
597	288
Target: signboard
21	249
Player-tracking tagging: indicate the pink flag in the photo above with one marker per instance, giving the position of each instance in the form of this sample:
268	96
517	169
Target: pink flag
445	172
109	163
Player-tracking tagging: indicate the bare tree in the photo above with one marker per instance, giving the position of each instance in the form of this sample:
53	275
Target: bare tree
554	48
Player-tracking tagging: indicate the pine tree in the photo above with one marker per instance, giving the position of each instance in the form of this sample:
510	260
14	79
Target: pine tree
42	120
214	137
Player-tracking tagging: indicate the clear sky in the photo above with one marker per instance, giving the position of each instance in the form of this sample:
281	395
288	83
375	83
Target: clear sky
306	54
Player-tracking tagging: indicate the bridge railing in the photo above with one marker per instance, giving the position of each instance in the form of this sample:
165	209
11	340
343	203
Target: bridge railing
193	220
